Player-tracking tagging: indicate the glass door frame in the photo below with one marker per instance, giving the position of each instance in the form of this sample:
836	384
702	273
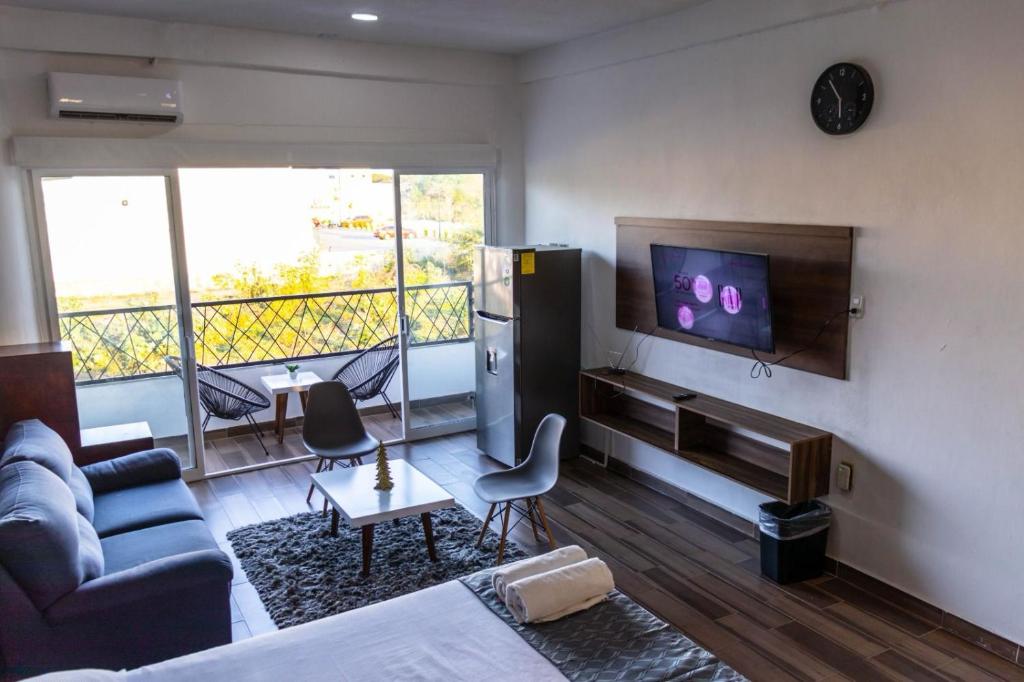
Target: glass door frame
183	301
182	297
409	432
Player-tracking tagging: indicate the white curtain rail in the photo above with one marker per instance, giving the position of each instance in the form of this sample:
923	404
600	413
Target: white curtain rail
75	153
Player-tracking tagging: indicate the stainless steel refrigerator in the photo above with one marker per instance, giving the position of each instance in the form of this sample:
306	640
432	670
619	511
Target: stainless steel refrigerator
527	327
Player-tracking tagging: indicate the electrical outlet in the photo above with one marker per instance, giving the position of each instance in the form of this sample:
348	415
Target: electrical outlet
857	306
844	476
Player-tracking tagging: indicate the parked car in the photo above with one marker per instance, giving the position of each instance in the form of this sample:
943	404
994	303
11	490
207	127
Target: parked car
388	232
360	221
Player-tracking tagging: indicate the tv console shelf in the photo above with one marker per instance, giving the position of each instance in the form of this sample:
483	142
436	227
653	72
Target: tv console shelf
774	456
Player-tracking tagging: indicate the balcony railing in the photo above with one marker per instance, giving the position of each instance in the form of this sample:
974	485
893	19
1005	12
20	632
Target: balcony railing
127	343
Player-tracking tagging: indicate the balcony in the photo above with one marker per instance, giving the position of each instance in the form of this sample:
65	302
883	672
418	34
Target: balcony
121	376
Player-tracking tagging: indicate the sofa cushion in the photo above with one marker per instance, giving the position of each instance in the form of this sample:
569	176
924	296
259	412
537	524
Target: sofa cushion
129	509
90	552
33	441
39	542
82	491
128	471
137	547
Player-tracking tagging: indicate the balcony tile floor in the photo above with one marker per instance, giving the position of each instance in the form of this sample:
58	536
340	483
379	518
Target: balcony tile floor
227	453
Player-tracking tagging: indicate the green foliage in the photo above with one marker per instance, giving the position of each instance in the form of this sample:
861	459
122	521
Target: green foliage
232	329
444	198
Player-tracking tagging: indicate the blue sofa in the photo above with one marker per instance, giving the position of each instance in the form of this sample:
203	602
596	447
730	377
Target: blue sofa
105	566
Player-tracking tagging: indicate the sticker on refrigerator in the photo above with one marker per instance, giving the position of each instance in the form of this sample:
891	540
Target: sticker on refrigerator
528	267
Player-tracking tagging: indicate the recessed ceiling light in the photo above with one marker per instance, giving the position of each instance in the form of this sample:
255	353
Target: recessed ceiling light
364	16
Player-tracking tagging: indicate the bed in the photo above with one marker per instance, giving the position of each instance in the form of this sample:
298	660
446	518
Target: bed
446	632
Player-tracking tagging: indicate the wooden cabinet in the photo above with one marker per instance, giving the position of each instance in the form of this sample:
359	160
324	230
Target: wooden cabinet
37	381
106	442
774	456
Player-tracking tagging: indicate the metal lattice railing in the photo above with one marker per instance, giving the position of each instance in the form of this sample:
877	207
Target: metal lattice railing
120	343
126	343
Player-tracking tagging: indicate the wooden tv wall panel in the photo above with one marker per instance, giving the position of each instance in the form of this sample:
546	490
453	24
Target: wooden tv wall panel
810	282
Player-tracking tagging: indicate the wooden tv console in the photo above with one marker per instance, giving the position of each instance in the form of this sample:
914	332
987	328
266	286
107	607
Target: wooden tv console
774	456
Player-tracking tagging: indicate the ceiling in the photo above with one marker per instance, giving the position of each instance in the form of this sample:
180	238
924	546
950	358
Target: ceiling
510	26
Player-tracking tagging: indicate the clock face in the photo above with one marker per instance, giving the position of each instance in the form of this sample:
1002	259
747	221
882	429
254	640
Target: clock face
842	98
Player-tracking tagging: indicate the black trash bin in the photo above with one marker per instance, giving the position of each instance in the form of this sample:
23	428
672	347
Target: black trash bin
793	539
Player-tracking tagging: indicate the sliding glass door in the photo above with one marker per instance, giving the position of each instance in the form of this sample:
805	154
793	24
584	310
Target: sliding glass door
186	295
443	220
290	266
115	284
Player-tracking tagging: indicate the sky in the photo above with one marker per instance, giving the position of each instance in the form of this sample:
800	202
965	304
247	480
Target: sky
111	235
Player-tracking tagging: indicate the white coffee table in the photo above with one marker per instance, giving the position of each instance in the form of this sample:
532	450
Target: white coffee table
352	496
281	385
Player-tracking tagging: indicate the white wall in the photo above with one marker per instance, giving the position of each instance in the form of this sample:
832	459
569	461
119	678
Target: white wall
246	86
705	115
19	322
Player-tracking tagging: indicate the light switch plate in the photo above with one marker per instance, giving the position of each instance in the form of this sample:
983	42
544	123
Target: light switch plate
857	305
844	476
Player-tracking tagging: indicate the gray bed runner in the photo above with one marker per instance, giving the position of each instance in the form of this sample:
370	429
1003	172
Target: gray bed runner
616	640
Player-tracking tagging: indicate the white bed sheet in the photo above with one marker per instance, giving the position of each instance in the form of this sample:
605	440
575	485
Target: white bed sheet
442	633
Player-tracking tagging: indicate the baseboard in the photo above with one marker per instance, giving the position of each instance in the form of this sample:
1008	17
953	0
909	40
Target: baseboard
967	631
678	494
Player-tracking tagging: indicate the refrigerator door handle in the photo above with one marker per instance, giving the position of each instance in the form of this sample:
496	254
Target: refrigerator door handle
490	317
492	361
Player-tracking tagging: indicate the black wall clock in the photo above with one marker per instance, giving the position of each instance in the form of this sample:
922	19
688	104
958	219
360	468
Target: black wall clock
842	98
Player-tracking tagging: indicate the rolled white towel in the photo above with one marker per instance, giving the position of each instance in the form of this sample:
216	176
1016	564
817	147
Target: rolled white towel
557	593
563	556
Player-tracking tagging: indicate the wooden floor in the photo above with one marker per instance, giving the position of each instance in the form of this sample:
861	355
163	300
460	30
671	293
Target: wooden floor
693	571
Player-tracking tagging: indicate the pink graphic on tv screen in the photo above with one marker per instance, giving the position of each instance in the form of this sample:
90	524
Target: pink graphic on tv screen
730	298
685	317
702	288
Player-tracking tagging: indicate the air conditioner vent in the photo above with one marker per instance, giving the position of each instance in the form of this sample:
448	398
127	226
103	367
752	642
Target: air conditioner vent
87	97
111	116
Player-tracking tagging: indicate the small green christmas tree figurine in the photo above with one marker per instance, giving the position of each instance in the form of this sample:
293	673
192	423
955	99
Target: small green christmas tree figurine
384	481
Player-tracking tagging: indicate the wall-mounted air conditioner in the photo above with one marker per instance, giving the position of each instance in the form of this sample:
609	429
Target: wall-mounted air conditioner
114	98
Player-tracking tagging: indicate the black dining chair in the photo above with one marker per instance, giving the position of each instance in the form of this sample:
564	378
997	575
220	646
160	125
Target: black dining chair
333	431
368	374
225	397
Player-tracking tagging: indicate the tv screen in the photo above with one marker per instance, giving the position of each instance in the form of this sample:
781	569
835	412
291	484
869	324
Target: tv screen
718	295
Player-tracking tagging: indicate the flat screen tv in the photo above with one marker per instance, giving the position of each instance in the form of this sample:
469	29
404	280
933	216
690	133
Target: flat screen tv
717	295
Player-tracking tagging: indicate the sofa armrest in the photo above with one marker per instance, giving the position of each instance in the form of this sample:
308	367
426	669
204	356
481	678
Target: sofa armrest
146	582
128	471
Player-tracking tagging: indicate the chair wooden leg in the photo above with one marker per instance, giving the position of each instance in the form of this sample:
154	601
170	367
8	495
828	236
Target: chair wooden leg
544	521
504	532
533	522
280	415
483	531
319	468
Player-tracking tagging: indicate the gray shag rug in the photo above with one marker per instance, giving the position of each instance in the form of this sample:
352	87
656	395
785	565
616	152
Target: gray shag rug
302	573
